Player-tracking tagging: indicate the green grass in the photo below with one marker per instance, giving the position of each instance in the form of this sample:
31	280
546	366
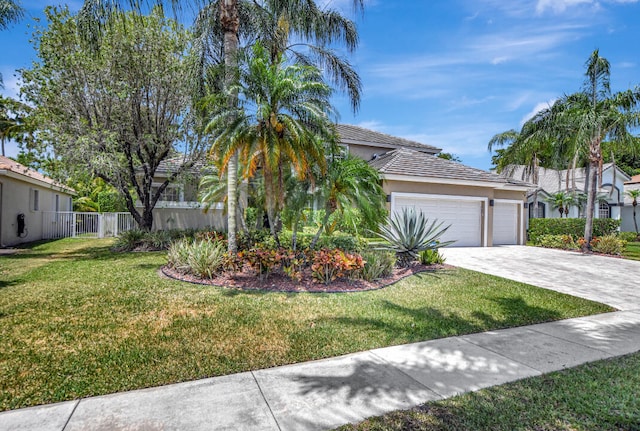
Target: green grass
598	396
77	320
632	251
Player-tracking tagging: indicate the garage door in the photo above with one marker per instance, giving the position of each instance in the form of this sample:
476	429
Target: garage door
505	223
464	216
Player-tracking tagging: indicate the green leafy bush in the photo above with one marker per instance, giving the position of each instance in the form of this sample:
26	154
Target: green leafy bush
569	226
628	236
203	258
129	240
377	264
564	242
431	257
262	261
408	233
608	244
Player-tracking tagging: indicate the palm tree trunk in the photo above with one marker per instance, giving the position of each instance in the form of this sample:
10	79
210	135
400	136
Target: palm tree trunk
591	199
635	222
325	221
230	22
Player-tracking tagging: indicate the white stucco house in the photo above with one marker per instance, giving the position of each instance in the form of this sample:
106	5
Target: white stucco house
627	210
551	181
25	196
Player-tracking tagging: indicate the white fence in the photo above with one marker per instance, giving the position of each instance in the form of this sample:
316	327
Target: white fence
85	225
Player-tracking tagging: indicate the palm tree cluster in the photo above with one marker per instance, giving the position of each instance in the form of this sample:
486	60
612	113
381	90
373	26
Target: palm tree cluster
569	134
262	75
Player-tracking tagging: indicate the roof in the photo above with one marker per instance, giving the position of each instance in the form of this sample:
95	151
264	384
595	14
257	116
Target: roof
360	136
31	175
174	163
409	162
634	180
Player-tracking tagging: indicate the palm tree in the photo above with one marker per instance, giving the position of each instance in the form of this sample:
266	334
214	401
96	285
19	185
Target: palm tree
634	194
282	122
12	120
561	201
351	182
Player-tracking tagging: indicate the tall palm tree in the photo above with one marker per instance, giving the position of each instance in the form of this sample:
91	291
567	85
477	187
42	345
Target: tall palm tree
634	194
283	121
12	120
351	182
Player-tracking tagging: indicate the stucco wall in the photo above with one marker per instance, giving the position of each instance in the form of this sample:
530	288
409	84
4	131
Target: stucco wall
17	197
179	218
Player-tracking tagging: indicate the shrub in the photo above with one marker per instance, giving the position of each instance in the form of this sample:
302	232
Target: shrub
608	244
377	264
408	233
129	240
628	236
330	264
431	257
203	258
262	261
564	242
156	240
569	226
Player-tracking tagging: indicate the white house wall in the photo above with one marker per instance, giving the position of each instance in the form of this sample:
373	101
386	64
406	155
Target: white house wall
17	198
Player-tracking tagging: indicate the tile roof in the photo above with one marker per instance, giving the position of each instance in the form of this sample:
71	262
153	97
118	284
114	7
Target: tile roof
174	163
634	180
405	161
6	164
358	135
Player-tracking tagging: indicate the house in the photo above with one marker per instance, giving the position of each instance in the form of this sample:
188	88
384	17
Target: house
26	197
627	224
551	181
482	208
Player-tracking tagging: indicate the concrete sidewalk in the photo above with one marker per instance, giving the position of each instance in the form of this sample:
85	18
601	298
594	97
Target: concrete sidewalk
324	394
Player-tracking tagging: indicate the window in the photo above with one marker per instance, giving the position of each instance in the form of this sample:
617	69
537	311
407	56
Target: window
605	211
36	200
57	208
173	193
540	213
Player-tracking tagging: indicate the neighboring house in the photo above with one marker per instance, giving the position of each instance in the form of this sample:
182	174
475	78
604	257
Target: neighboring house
627	210
482	208
178	206
25	196
551	181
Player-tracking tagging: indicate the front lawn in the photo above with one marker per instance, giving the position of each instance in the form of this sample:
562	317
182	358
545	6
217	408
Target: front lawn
598	396
77	320
632	251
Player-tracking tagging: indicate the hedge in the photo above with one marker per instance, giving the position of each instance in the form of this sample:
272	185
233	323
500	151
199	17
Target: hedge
570	226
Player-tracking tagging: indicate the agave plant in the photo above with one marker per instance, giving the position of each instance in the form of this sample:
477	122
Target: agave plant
409	232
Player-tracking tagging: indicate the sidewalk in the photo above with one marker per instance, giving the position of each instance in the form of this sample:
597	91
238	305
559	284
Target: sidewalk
324	394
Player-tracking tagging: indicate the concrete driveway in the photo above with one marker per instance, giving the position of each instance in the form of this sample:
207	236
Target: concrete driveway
608	280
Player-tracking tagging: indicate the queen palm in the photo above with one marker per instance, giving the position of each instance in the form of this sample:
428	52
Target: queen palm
282	122
634	194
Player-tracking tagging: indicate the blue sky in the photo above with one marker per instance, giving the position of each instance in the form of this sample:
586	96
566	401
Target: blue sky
452	73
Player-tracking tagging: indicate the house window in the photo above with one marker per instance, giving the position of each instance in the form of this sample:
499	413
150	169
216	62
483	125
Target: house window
537	214
57	209
605	211
70	207
36	200
173	193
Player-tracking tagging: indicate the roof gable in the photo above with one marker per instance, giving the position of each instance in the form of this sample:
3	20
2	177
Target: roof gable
360	136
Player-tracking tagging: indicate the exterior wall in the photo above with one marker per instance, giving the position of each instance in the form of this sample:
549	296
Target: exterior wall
17	198
365	152
468	191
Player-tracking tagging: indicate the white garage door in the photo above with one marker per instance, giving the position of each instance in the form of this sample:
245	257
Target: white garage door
464	216
505	223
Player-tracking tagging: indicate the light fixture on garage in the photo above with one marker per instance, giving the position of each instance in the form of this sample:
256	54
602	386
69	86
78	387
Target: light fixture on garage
388	198
491	202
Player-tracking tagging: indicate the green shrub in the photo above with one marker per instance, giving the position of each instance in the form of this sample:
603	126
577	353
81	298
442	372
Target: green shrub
628	236
608	244
129	240
330	264
157	240
378	264
431	257
569	226
564	242
202	258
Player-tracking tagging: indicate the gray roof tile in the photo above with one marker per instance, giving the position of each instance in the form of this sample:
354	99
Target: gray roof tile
357	135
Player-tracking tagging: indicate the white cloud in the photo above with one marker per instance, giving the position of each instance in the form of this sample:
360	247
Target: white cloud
559	6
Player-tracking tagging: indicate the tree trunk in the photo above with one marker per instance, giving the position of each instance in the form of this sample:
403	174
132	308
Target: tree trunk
327	213
230	22
635	222
591	199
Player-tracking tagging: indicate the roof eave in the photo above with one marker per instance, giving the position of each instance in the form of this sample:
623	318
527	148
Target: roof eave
30	180
452	181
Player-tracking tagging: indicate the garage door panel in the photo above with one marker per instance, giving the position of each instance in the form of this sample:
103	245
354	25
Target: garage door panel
505	223
464	216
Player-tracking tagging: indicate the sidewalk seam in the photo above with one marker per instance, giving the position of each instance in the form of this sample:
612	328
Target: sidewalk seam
609	355
442	397
501	354
71	415
265	400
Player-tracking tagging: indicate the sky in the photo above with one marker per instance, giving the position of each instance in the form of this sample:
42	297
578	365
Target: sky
450	73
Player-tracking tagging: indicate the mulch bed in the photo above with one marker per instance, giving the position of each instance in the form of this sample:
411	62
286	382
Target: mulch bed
277	282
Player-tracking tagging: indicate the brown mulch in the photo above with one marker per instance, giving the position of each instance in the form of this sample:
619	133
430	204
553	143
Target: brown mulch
277	282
